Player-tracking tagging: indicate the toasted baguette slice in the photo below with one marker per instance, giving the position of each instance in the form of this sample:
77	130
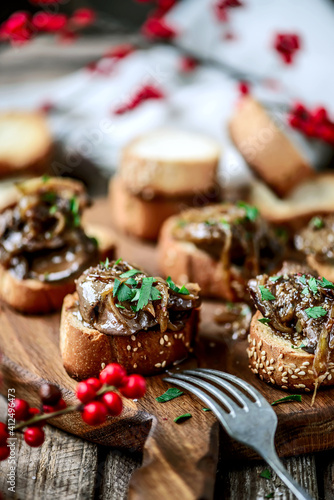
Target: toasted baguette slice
288	368
323	269
25	143
268	151
85	351
36	297
144	218
170	163
185	262
311	197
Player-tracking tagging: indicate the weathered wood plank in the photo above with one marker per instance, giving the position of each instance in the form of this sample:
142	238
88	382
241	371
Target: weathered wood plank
117	470
243	481
325	472
64	467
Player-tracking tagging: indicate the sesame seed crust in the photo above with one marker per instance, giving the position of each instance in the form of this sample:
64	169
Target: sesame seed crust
289	368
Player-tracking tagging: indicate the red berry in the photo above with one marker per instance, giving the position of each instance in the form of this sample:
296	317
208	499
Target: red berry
113	403
243	88
94	382
188	64
94	413
113	374
61	405
320	115
4	452
294	121
21	409
134	388
3	434
43	21
83	17
157	28
49	394
34	436
85	392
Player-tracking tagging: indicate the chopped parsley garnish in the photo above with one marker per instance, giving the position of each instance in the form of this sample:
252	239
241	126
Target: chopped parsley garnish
105	264
129	273
225	224
183	290
182	418
302	279
210	222
145	292
266	474
131	281
45	178
53	209
269	495
142	295
74	207
305	291
317	223
288	399
206	409
120	306
326	284
266	294
312	283
301	346
251	212
273	279
118	261
171	393
265	321
124	293
315	312
49	197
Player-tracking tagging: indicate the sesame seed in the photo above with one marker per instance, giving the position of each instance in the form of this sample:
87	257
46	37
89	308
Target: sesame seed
257	365
272	380
261	365
255	370
310	372
272	361
158	365
280	369
135	349
329	376
166	338
162	341
302	386
290	371
249	353
263	358
255	355
163	364
263	353
175	335
301	374
306	363
260	344
284	387
254	342
133	337
161	352
293	365
103	365
169	344
285	380
297	370
280	356
187	344
135	365
307	389
267	363
139	344
284	374
294	376
128	347
248	338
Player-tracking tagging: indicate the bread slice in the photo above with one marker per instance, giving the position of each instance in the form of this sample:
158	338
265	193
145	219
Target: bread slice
276	362
185	262
144	218
265	147
311	197
323	269
25	142
170	163
36	297
85	351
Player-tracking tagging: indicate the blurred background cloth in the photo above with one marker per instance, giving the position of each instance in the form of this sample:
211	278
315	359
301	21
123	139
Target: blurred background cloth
82	105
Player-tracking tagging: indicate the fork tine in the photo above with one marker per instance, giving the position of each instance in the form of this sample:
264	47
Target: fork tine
223	398
238	395
249	389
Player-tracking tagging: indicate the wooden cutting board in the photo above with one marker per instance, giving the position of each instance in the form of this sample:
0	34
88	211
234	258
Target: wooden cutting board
178	460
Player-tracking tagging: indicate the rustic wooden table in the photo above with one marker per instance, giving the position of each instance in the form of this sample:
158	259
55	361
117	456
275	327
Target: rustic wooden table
68	467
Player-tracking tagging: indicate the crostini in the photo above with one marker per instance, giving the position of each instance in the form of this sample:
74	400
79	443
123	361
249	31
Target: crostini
220	247
43	246
120	314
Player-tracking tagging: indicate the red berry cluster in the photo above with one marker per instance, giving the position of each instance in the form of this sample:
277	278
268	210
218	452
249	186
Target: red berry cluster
222	6
97	397
155	26
188	64
144	94
314	123
21	26
243	88
287	44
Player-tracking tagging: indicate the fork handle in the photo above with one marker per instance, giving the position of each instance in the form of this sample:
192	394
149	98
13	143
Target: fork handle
272	459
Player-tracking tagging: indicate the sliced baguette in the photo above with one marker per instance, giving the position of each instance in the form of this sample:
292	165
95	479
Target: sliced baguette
85	351
265	147
184	262
311	197
25	143
36	297
323	269
170	163
144	218
276	362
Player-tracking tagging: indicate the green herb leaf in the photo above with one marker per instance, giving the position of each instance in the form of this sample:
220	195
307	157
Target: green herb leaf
171	393
210	222
181	223
301	346
288	399
120	306
118	261
317	223
305	291
316	312
206	409
273	279
327	284
117	284
129	273
265	321
266	474
136	298
131	281
145	292
155	294
251	212
312	283
269	495
182	418
225	224
45	178
105	264
125	293
302	279
53	209
183	290
49	197
266	294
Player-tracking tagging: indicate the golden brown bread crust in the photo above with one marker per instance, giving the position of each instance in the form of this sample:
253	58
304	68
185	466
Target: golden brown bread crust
36	297
184	262
267	150
36	154
168	177
143	218
274	360
85	351
325	270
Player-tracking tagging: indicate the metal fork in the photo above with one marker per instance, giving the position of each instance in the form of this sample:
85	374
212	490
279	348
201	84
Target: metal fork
252	421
